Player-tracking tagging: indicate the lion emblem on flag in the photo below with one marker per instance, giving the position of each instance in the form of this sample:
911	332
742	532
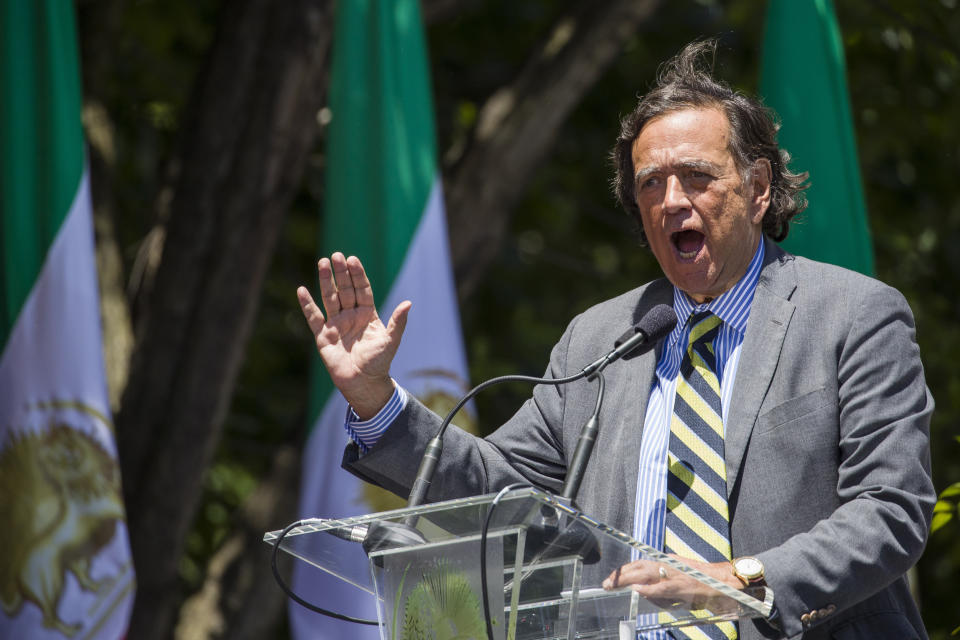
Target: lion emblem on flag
67	505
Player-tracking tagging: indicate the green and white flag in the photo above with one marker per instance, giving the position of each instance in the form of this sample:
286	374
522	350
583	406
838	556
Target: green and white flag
65	564
803	78
384	204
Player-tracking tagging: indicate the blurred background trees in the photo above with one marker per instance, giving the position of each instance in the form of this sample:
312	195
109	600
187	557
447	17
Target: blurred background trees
206	126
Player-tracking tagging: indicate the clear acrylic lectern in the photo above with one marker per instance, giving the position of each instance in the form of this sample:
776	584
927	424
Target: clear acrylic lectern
544	564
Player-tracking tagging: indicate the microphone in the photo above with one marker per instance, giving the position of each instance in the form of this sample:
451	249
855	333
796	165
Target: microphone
654	325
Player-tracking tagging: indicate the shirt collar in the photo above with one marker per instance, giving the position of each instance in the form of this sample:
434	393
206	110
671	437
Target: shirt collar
732	306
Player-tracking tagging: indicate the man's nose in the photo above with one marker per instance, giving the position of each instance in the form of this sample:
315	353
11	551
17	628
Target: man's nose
675	196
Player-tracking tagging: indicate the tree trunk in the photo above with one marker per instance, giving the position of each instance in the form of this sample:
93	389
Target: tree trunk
239	599
517	127
245	142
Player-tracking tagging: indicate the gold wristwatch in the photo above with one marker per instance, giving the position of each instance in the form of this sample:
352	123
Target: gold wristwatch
749	570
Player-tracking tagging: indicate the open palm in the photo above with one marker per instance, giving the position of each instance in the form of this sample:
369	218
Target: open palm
353	342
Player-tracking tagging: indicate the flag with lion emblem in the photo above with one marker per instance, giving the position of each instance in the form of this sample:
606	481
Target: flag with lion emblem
65	567
383	204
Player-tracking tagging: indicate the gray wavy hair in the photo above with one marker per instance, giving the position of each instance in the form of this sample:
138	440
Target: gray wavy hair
686	82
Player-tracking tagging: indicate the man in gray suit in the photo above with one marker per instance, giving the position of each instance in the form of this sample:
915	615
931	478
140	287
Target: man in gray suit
821	406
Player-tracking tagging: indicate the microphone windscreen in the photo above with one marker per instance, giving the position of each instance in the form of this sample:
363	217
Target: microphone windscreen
658	322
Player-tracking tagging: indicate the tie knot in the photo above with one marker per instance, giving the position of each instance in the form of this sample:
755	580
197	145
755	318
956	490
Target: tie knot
704	327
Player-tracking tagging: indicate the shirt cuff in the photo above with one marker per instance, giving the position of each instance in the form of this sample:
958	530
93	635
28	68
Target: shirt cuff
366	433
774	618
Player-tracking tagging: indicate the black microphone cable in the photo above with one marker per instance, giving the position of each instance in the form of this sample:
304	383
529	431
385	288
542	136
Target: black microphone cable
290	594
483	552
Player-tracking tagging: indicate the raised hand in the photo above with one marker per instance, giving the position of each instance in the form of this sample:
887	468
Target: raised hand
353	343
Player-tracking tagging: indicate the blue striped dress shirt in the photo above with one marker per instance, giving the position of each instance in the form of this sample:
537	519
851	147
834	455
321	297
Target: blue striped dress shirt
366	432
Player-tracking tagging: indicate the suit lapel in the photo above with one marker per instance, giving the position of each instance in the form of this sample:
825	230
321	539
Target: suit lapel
770	316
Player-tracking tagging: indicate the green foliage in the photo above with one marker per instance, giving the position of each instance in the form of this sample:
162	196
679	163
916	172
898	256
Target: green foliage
947	507
396	603
946	510
443	606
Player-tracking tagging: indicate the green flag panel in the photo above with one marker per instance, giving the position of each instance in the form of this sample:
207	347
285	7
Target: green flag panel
381	158
803	79
41	140
381	151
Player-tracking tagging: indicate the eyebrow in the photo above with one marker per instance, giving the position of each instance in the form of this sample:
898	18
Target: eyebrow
699	165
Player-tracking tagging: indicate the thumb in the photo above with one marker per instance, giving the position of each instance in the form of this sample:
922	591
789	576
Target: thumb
398	321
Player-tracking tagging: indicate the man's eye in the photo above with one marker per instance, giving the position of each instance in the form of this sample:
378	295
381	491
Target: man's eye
649	182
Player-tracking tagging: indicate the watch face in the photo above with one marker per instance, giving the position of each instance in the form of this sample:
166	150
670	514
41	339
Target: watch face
749	567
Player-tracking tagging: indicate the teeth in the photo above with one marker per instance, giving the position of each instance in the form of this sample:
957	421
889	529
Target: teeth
689	254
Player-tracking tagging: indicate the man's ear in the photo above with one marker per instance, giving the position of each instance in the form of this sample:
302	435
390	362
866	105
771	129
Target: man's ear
761	175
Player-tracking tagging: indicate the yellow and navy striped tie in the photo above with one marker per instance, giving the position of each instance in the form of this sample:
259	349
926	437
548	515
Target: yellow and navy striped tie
698	522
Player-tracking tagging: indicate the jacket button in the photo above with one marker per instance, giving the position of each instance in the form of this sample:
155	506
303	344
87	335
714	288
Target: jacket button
805	619
831	609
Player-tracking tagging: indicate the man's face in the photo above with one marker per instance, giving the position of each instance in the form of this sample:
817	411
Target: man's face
703	222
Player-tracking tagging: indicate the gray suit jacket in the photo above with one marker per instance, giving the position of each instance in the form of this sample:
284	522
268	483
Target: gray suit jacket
827	448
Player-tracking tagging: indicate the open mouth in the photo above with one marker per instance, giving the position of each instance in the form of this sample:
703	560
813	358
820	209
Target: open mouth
688	243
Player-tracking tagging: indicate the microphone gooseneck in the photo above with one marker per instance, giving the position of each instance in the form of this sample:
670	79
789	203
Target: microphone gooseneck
581	455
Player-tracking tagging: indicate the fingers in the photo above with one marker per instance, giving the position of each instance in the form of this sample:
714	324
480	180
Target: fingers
665	586
341	275
310	310
361	285
398	321
613	580
651	580
641	572
328	287
343	284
